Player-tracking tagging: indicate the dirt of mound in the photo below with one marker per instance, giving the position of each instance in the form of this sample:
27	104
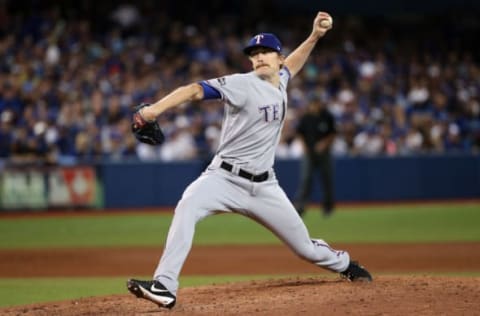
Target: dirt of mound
301	296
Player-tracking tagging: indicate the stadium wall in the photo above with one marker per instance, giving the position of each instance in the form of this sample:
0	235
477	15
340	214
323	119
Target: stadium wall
356	179
153	184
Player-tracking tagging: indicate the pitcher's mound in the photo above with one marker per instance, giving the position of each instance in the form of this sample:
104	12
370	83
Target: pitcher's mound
412	295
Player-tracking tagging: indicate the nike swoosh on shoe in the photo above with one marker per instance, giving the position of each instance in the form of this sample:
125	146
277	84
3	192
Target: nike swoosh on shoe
156	290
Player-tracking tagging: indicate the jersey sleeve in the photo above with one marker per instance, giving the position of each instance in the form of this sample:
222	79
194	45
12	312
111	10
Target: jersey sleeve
284	75
233	88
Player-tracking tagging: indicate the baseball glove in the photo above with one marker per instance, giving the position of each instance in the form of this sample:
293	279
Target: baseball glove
145	131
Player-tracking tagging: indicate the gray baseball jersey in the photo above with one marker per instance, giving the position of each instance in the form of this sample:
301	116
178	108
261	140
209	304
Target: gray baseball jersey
254	115
241	179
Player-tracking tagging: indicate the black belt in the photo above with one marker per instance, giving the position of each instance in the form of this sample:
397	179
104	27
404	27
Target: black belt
245	174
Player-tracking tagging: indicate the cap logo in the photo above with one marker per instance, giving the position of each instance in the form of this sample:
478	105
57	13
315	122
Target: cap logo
266	40
258	38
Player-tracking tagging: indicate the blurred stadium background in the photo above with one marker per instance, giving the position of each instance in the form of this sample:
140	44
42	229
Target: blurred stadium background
401	77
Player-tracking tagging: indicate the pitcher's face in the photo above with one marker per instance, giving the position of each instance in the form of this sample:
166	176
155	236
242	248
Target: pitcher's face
266	62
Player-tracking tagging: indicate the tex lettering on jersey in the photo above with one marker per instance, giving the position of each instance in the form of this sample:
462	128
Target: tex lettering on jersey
270	112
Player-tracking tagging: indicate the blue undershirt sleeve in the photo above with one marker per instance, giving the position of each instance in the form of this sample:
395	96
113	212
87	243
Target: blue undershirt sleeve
209	92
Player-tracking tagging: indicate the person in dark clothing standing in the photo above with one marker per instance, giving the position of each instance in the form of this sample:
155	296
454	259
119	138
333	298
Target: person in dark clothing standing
317	131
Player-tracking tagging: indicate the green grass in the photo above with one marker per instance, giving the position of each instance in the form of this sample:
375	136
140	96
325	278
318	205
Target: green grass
47	289
424	223
427	223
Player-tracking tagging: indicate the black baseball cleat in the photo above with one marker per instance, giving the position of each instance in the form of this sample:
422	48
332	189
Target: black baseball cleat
356	273
153	291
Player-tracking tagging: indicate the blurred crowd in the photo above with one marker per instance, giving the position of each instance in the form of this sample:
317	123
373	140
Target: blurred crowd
69	79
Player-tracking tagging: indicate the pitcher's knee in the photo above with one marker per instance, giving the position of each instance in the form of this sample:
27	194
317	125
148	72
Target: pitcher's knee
189	207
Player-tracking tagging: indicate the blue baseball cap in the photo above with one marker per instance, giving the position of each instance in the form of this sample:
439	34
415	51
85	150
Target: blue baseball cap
267	40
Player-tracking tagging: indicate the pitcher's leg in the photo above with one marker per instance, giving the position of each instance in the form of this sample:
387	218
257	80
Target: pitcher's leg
178	245
196	204
275	211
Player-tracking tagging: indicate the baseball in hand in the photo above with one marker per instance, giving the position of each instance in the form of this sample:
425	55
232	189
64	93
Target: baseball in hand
326	23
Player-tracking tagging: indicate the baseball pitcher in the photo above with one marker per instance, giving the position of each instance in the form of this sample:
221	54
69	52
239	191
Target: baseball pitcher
240	178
